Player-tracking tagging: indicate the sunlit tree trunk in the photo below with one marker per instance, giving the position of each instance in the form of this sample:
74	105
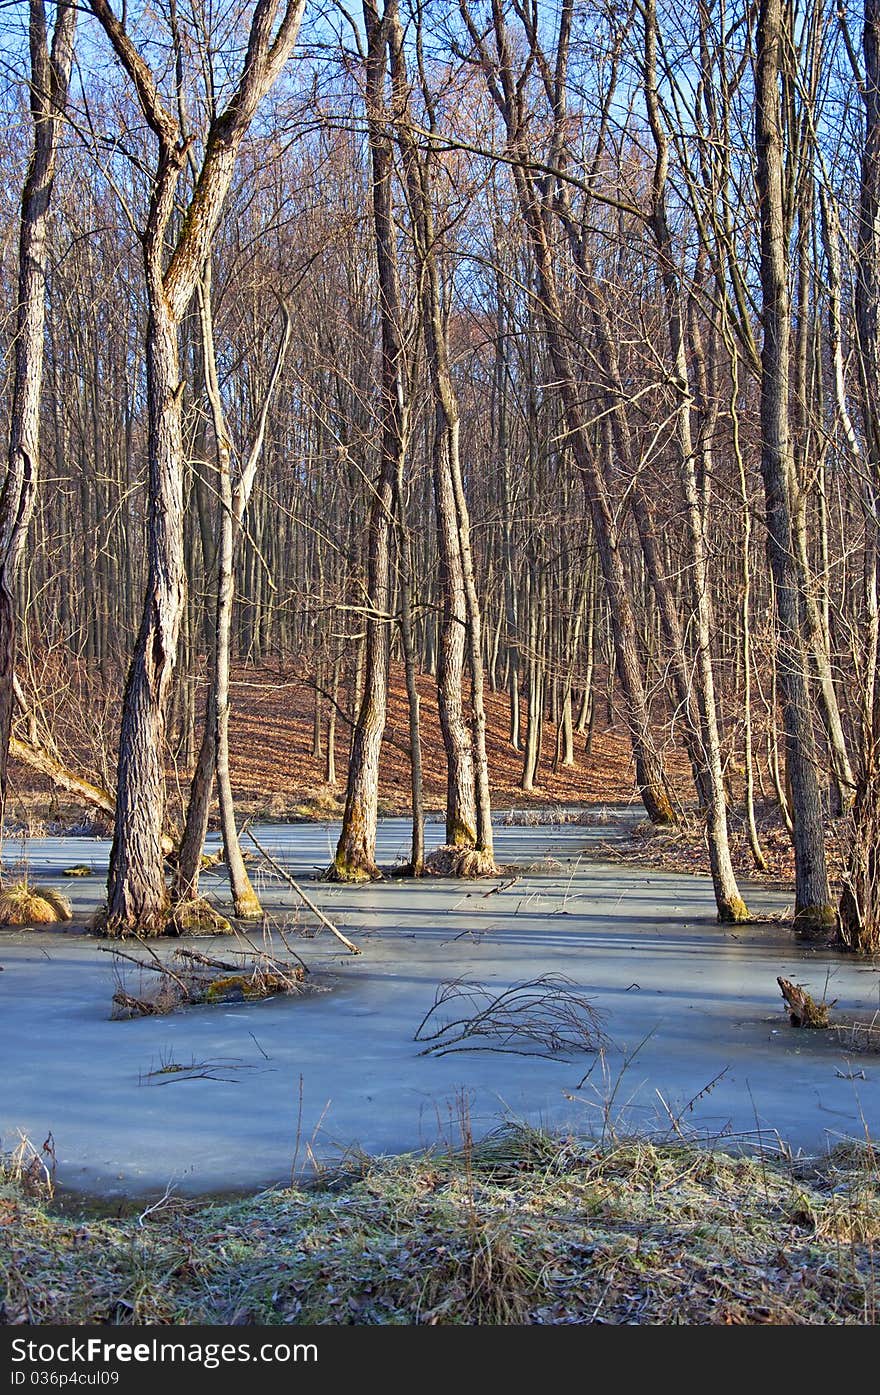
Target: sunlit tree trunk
355	858
50	73
812	895
137	895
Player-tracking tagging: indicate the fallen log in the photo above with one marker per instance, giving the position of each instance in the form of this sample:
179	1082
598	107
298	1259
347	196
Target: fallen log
41	760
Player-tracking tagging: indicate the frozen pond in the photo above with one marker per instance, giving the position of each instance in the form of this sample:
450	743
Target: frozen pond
692	1010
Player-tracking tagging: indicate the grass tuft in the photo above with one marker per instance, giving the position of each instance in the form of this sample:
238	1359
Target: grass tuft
23	904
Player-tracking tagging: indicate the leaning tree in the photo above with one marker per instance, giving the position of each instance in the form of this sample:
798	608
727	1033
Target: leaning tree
174	252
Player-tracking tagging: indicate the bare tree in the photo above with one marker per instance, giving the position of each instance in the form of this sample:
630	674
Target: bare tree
355	858
50	74
507	92
137	892
813	907
731	906
860	899
468	803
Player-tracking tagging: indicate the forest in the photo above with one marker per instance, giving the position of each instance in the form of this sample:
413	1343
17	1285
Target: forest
528	349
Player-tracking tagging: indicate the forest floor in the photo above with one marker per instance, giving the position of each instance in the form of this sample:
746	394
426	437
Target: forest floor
522	1228
278	776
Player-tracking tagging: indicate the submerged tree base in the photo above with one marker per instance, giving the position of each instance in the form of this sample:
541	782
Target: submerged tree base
196	918
117	927
248	907
352	871
816	922
451	861
184	918
734	912
406	869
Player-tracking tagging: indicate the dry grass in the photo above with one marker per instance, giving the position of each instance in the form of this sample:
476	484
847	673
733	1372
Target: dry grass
859	1036
523	1228
23	904
197	918
449	861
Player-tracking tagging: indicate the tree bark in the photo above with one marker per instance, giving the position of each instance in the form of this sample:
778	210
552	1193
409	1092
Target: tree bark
50	74
355	858
812	896
138	898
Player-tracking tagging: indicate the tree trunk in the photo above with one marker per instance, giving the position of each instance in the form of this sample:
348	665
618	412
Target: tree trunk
50	73
813	907
468	816
355	858
731	907
137	895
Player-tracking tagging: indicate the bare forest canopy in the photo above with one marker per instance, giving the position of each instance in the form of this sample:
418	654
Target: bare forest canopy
530	344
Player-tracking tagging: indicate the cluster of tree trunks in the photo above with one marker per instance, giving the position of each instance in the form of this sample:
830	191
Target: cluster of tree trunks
525	298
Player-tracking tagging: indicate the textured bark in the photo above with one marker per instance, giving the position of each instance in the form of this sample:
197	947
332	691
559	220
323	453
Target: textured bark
812	895
731	907
50	73
355	858
468	815
137	894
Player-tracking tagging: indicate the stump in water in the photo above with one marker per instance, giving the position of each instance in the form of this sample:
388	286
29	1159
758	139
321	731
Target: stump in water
802	1010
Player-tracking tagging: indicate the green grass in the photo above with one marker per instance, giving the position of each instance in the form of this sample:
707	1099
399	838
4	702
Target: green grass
524	1228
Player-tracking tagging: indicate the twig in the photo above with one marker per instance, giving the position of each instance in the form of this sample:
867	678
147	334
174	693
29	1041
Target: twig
270	958
164	967
157	1205
352	948
290	949
198	958
141	963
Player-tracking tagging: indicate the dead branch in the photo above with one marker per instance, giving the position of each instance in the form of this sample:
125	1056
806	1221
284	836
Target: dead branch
282	872
549	1012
